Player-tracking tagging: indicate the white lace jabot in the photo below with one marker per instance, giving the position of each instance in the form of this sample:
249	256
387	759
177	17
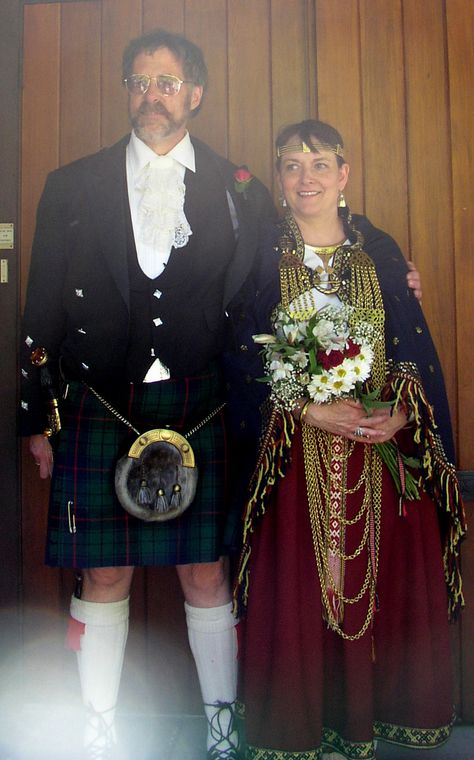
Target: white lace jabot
156	192
162	223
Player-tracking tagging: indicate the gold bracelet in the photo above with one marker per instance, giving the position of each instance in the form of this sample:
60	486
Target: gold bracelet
304	409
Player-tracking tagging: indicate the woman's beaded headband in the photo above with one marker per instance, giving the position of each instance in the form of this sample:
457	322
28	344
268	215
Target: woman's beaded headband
303	148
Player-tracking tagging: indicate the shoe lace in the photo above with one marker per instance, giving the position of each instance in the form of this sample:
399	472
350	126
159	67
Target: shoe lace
223	732
102	746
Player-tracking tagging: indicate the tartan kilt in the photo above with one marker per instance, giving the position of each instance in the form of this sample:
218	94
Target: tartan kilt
87	526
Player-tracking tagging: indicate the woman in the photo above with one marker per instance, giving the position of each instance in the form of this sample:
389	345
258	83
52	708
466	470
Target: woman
342	582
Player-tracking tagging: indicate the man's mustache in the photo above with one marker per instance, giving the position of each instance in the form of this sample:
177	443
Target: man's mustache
154	108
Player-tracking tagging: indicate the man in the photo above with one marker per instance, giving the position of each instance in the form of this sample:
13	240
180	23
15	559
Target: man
138	252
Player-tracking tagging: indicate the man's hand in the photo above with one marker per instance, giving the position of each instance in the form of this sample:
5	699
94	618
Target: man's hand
42	452
414	280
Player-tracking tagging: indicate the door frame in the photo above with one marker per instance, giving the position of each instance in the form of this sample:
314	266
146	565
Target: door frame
11	14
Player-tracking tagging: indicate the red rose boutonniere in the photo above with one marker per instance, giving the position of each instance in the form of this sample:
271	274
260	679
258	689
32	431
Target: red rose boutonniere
242	179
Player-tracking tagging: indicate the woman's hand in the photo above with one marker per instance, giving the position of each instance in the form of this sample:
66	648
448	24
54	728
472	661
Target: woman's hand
348	417
382	425
42	452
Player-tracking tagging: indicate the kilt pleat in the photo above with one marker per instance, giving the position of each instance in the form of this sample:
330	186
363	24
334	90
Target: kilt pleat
87	526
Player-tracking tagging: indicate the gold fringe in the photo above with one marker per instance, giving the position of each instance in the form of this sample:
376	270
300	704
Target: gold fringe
271	465
439	476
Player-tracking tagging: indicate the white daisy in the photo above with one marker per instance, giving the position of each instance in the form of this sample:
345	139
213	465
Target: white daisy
342	378
319	388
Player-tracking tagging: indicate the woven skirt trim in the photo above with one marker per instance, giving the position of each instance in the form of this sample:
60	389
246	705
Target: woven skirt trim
87	527
403	736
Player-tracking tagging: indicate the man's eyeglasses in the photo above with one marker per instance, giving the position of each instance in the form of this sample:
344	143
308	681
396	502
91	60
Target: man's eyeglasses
166	84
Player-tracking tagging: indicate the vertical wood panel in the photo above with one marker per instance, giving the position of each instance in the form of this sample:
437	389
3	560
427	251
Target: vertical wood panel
80	80
339	86
383	122
206	25
40	153
429	182
289	68
249	95
164	14
121	21
460	23
40	124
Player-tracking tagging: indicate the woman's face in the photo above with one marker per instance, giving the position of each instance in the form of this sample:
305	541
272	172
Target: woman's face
311	182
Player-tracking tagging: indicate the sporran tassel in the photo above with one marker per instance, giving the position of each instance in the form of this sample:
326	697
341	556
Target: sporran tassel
144	494
176	496
160	501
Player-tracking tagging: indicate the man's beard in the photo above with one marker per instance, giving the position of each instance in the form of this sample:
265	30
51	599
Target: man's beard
153	134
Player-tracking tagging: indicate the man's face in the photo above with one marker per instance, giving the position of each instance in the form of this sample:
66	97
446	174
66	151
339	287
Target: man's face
160	120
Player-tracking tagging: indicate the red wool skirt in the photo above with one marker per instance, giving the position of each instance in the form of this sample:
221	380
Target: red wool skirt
304	688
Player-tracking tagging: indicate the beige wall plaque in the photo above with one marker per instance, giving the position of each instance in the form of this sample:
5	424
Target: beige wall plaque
7	235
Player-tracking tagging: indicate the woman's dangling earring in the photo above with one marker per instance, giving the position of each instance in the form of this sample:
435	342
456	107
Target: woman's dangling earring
283	202
341	201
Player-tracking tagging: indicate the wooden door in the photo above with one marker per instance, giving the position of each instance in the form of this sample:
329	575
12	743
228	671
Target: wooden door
394	80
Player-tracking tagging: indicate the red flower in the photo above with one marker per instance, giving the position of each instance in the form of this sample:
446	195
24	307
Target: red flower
331	359
242	178
242	175
353	349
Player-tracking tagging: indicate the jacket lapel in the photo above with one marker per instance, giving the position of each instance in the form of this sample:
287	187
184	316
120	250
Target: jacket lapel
247	224
247	241
111	211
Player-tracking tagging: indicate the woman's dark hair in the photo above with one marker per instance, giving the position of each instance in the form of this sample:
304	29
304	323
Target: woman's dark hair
186	52
309	132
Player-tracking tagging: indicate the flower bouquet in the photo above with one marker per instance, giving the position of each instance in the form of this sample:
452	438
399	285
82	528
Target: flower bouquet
324	358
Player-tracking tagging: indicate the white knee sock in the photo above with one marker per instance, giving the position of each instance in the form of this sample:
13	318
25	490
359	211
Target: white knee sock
213	642
100	660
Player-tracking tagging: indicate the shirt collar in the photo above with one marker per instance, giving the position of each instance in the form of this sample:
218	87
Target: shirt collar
139	154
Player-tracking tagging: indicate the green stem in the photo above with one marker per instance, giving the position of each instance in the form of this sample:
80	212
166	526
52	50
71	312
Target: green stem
388	454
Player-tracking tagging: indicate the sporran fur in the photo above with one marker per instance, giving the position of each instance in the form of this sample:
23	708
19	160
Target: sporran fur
157	479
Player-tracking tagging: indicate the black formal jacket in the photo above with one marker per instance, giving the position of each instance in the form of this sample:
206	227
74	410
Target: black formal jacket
78	299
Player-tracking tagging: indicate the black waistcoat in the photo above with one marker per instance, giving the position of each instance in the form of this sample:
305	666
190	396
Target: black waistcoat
191	328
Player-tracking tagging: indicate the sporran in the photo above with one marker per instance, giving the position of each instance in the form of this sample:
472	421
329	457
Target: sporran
157	479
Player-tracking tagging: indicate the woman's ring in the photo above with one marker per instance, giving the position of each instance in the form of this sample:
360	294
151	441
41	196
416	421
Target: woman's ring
359	432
